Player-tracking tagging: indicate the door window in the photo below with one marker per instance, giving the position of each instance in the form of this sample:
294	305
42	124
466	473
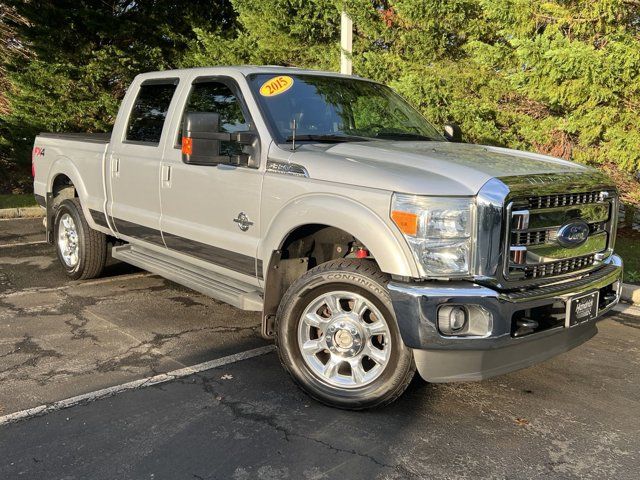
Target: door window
217	97
149	113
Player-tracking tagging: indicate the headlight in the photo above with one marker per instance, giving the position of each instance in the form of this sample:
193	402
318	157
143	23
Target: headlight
439	231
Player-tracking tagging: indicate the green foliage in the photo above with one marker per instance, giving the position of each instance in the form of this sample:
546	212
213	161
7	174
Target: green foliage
560	76
17	201
278	32
82	55
628	247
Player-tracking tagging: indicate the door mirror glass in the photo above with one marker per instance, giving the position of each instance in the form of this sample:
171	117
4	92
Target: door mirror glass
453	133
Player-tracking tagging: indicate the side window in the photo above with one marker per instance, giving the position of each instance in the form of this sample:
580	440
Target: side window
216	97
149	112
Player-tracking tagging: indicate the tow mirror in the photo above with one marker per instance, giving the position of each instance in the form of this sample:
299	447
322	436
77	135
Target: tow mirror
201	141
452	132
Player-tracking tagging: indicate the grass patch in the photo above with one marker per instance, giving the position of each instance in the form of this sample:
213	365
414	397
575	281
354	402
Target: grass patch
16	201
628	247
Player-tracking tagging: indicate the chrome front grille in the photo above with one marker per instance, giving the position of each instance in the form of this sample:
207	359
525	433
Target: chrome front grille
536	238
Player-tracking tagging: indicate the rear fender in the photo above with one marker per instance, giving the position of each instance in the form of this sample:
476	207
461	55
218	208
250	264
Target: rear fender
64	166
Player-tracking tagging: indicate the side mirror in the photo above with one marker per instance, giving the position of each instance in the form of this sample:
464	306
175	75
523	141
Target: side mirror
201	138
452	132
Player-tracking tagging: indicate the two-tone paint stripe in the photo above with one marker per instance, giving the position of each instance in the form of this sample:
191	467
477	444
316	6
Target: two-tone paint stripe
221	257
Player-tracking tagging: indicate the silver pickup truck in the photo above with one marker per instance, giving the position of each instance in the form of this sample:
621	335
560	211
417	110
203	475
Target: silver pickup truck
372	244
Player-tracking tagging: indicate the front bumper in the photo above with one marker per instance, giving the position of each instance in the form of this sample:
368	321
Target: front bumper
442	358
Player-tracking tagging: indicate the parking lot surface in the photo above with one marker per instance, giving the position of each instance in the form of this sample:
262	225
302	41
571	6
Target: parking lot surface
575	416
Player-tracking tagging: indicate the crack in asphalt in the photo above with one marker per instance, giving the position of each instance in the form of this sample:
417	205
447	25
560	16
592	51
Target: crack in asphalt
78	330
238	409
27	346
134	358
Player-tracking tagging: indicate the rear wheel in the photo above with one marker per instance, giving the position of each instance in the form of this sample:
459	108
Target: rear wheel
337	336
81	250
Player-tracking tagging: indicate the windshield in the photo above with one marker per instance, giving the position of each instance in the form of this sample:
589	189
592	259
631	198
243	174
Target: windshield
335	109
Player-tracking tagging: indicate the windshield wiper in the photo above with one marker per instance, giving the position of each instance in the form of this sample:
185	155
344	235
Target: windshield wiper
402	136
327	138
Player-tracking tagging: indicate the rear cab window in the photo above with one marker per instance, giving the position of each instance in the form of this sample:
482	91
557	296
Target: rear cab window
149	111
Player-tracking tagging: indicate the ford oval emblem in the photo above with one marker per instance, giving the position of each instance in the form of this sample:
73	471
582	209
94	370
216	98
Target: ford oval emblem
573	233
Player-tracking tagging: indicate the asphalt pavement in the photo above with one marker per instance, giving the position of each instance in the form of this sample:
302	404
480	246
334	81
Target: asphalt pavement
575	416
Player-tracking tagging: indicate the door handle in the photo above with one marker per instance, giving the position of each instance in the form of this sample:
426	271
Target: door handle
166	176
115	166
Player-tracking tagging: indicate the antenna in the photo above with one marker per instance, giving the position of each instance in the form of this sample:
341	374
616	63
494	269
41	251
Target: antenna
294	126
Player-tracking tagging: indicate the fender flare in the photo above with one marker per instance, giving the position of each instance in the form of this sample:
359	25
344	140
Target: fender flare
64	166
388	248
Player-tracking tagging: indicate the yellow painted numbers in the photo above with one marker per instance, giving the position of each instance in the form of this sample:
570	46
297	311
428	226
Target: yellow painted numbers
276	86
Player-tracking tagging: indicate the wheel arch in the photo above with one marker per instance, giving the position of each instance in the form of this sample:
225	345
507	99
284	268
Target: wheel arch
391	253
332	215
63	173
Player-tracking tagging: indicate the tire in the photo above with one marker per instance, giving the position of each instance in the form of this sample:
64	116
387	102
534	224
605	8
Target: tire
343	337
73	234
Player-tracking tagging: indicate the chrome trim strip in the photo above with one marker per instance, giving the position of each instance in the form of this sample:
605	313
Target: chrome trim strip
489	214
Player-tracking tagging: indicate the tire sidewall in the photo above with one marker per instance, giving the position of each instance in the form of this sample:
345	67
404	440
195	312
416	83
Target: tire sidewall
68	206
299	297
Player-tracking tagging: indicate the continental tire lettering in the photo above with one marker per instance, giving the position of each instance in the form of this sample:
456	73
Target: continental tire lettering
356	279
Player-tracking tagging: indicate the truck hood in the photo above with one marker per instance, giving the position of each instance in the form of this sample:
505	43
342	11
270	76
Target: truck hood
433	168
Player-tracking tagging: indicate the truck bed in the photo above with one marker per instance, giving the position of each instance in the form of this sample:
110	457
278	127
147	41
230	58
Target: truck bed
79	137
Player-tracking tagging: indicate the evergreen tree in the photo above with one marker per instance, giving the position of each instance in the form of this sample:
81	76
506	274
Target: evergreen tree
560	77
84	55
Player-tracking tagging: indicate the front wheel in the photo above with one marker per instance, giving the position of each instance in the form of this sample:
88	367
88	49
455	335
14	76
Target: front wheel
81	250
337	336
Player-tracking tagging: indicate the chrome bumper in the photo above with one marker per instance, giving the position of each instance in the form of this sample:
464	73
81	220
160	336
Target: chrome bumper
442	358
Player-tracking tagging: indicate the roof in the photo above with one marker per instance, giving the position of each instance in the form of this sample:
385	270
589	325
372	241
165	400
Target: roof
243	70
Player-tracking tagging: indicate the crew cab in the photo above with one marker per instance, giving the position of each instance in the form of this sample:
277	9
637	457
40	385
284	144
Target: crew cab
372	244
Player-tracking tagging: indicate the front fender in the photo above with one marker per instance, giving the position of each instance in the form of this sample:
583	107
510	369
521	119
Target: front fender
388	248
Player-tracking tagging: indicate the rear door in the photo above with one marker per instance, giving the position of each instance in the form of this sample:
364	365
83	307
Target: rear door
134	161
211	213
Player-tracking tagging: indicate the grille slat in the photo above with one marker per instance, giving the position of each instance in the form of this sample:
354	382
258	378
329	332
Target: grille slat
556	268
564	199
538	237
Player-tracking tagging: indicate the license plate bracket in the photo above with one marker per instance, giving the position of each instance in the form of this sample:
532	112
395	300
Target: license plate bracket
582	308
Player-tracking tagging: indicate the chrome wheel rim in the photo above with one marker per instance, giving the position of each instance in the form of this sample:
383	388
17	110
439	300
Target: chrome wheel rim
344	339
68	240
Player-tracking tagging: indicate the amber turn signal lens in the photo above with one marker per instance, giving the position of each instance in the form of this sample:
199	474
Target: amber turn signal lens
187	145
406	222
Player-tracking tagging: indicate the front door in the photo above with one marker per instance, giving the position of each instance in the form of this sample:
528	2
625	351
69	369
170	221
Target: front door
211	213
134	174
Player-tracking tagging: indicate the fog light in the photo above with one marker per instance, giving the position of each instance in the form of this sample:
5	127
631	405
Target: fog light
466	320
452	319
